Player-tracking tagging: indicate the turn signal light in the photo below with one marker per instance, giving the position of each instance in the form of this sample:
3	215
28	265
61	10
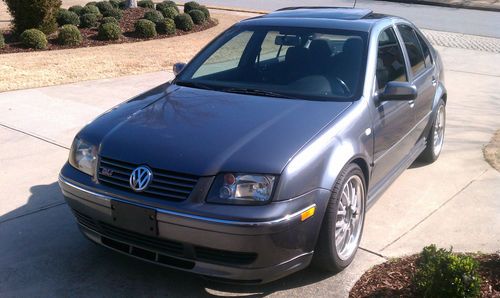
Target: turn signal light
308	213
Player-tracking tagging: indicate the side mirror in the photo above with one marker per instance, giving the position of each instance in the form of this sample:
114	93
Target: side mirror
398	91
178	67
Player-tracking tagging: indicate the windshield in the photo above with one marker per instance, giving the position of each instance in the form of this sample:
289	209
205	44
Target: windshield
287	62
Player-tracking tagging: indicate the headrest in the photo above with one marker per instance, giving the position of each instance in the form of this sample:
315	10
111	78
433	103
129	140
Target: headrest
295	54
319	48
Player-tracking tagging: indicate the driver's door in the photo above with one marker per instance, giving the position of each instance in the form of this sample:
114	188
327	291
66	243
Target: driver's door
393	120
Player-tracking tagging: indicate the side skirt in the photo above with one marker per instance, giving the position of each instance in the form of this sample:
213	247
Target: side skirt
378	190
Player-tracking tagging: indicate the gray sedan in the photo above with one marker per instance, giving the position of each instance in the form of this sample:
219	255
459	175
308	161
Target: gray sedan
264	153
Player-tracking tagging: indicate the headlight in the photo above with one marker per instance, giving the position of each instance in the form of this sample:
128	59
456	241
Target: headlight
244	189
83	156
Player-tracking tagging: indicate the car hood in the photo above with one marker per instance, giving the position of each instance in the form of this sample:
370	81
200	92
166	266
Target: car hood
204	132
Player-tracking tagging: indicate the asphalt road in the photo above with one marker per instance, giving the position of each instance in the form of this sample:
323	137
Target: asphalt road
467	21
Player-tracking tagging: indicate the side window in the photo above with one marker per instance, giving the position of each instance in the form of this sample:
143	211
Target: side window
269	48
226	57
425	50
390	61
413	48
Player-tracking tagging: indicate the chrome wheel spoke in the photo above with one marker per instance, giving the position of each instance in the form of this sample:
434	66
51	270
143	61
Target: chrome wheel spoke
350	212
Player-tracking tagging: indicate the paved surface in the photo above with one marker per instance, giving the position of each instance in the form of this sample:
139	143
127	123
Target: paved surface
463	41
467	21
452	202
490	5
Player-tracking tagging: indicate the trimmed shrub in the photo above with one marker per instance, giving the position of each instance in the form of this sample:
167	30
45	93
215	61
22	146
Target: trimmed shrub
184	22
91	3
107	20
115	3
69	35
65	17
34	38
109	31
206	12
191	5
123	4
197	16
91	9
440	273
169	12
104	7
89	20
166	26
161	6
115	13
145	28
154	16
38	14
2	41
146	4
76	9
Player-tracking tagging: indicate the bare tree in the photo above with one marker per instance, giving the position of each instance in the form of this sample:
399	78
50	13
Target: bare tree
131	3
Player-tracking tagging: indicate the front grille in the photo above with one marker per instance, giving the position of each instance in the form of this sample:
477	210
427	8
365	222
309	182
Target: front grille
165	185
132	243
172	247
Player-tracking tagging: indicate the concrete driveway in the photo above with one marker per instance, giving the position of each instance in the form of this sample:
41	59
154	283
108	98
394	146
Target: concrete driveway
453	202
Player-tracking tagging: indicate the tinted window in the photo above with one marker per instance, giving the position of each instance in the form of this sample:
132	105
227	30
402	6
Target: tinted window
413	48
425	50
309	63
390	61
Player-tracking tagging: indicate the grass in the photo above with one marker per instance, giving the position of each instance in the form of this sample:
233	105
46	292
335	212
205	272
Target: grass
38	69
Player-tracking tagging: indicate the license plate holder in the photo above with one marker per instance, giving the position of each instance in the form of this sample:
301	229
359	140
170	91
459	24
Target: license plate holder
134	218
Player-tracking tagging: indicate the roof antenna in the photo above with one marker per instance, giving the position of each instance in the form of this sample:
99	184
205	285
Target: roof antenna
354	5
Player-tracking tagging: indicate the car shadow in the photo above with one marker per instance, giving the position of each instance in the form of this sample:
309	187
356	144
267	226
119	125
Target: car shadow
43	253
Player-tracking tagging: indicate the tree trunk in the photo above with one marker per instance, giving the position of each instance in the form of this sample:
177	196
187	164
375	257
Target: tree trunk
131	3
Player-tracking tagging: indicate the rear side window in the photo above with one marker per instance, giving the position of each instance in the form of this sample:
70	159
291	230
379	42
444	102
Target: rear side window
425	50
390	61
413	49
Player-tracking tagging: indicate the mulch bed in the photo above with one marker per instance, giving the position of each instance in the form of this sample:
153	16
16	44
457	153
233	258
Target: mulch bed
394	278
130	17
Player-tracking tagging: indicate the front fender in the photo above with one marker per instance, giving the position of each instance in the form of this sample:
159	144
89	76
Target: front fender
319	162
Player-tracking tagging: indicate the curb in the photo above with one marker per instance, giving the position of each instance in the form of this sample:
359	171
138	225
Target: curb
444	4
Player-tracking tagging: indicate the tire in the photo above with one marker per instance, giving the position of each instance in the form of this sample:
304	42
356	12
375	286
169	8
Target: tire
434	147
329	256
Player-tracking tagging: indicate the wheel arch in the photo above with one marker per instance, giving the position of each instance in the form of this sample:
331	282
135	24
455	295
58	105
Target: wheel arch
361	162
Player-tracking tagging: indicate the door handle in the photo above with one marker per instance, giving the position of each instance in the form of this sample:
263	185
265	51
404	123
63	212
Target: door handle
434	81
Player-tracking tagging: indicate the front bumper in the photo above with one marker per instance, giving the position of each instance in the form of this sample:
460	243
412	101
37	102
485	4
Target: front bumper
228	250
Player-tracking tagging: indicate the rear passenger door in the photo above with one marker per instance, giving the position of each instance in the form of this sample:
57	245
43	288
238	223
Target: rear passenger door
393	120
422	74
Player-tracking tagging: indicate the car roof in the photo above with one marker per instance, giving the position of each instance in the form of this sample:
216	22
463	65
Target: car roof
323	17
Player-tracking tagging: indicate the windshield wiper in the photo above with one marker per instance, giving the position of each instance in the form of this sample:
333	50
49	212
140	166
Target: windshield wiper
194	85
252	91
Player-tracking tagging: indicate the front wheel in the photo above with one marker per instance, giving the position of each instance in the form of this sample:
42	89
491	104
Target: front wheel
343	222
435	139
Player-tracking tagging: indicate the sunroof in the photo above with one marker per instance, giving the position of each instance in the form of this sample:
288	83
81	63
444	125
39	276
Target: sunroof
321	13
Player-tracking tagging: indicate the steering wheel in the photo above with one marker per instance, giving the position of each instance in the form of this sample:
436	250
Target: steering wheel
344	86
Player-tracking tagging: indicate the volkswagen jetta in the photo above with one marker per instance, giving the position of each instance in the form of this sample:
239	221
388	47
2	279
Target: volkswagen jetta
265	151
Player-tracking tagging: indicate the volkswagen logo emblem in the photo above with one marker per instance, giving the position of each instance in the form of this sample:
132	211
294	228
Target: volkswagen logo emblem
140	178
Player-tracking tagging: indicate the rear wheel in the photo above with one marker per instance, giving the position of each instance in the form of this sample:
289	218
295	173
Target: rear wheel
435	138
343	222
